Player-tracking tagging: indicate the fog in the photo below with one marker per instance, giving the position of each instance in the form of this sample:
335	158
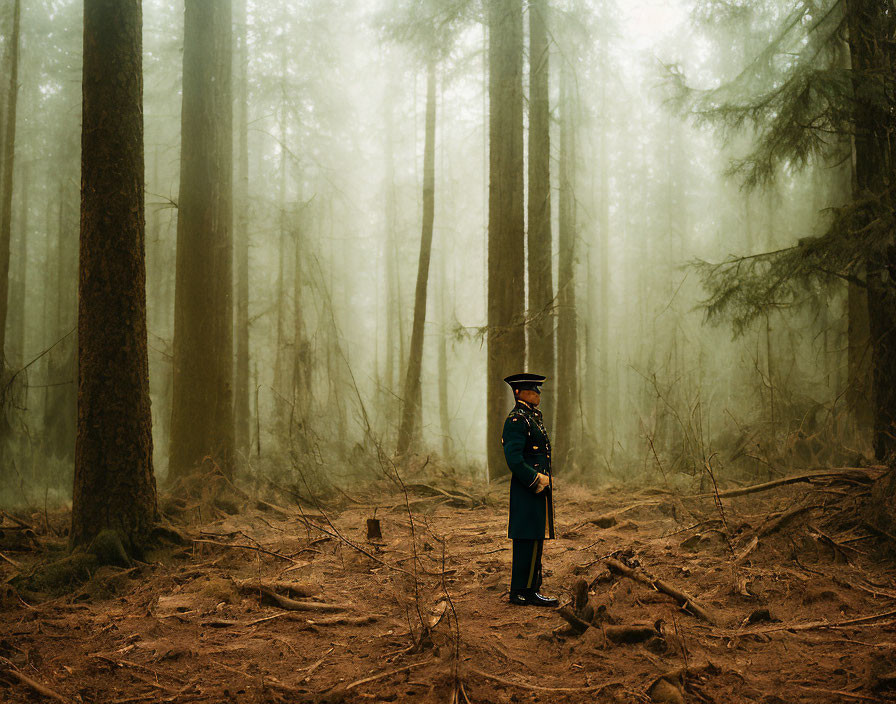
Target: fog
328	189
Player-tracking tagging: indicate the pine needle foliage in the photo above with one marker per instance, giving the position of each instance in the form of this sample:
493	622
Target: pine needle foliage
800	97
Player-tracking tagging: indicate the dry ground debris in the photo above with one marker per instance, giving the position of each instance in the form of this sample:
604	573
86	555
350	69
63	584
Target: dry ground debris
776	598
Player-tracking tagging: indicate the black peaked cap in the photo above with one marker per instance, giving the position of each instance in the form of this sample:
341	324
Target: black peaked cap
525	381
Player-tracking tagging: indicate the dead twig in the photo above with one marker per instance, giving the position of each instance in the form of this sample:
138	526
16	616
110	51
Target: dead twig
10	561
246	547
387	673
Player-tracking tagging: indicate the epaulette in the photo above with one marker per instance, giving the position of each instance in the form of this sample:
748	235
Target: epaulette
518	413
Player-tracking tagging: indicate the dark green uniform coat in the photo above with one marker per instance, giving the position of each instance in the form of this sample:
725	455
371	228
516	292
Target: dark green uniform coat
527	450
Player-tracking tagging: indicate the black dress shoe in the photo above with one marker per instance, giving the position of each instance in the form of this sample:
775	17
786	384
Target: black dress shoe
530	597
519	598
536	599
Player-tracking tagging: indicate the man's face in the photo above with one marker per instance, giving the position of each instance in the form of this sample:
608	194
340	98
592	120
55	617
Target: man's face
529	396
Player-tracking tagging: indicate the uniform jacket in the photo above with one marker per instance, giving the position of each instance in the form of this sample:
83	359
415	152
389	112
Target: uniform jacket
527	450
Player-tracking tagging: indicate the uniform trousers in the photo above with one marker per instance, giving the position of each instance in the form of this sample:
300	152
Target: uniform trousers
525	572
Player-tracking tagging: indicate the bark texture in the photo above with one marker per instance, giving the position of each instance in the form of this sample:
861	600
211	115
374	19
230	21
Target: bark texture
541	319
506	235
411	397
872	39
114	484
202	410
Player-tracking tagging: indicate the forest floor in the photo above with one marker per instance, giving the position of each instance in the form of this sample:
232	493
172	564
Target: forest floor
787	601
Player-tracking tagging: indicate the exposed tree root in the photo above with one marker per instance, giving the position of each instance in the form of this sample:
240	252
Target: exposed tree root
289	588
271	597
579	625
685	601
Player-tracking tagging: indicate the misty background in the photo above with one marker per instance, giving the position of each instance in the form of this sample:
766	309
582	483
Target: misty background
330	199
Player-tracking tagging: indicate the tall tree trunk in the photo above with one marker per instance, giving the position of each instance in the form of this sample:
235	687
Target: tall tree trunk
506	229
114	484
872	27
444	416
393	291
241	239
280	385
18	286
411	397
540	328
604	248
301	360
858	342
9	151
202	409
567	368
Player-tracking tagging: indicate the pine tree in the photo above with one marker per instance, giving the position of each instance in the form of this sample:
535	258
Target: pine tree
241	238
506	265
114	484
809	106
6	175
202	410
541	317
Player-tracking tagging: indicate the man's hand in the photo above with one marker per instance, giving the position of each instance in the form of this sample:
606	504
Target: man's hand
542	482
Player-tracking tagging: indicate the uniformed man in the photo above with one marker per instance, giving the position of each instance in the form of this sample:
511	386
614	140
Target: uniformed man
528	453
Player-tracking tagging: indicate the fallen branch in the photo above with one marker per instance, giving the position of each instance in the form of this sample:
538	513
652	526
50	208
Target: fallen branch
387	673
818	625
246	547
18	521
842	473
231	623
460	498
10	561
685	600
343	620
41	689
539	688
808	626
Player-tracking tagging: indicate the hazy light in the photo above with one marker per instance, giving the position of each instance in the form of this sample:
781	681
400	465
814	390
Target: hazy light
646	22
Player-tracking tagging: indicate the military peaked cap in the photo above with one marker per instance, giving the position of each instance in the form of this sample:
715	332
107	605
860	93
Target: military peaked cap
525	381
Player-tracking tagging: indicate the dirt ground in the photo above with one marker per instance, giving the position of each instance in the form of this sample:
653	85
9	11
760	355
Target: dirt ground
282	604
